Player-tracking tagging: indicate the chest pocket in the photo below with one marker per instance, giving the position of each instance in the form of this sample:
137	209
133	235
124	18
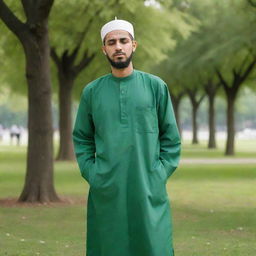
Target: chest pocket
146	120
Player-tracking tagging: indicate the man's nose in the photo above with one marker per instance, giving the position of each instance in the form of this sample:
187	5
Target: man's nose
118	46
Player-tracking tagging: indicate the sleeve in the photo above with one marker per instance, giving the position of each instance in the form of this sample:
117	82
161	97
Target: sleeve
83	136
170	144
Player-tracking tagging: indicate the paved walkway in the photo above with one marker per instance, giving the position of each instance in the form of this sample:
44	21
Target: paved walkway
227	160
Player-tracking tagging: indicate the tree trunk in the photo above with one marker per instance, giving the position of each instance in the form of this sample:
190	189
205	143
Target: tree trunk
67	73
231	90
211	89
195	102
66	150
211	121
194	123
230	125
39	185
176	100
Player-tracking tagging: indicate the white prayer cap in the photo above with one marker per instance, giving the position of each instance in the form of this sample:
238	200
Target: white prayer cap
116	25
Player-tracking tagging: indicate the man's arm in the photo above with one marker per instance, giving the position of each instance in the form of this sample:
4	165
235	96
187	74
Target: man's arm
170	144
83	135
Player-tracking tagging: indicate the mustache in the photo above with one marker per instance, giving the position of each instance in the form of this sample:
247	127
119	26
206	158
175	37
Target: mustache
118	53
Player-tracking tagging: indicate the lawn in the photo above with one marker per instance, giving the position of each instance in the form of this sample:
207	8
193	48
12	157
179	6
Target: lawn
243	148
213	209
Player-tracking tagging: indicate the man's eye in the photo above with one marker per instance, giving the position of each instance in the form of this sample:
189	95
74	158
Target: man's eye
111	42
124	41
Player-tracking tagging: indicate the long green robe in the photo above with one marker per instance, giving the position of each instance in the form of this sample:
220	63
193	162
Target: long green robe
127	144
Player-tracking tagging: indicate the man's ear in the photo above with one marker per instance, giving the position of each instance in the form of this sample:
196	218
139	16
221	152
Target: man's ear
134	45
103	50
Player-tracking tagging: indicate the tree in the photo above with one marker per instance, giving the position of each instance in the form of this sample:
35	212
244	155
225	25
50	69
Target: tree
182	81
211	88
168	69
176	101
71	60
184	78
33	36
224	45
235	58
196	97
177	92
83	43
231	89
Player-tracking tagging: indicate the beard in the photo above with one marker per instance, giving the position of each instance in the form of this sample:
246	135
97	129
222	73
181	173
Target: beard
120	64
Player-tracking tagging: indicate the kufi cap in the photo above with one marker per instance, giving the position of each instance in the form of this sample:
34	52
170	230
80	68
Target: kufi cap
116	25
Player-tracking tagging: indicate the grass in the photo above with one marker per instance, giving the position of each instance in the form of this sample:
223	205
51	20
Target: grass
213	209
243	148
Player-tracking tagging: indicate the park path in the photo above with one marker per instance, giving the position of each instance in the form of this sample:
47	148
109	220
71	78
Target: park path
227	160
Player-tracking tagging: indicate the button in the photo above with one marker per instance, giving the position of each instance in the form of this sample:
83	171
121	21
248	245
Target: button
122	91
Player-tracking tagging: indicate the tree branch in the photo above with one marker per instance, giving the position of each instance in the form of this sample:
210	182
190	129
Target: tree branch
44	8
252	3
192	95
221	78
36	11
85	61
27	7
235	74
96	14
86	9
73	55
248	70
211	87
208	86
11	21
180	95
87	27
244	63
201	99
55	57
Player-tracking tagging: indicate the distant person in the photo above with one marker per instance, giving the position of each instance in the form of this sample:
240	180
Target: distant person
127	145
15	132
1	133
18	135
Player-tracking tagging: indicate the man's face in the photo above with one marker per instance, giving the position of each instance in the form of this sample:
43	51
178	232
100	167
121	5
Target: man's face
118	48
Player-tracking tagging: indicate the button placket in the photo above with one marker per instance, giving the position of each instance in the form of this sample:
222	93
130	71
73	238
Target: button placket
123	100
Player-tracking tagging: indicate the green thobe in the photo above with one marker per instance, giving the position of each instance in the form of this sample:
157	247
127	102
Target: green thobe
127	144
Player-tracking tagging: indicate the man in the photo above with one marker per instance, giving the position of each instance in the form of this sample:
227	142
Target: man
127	144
